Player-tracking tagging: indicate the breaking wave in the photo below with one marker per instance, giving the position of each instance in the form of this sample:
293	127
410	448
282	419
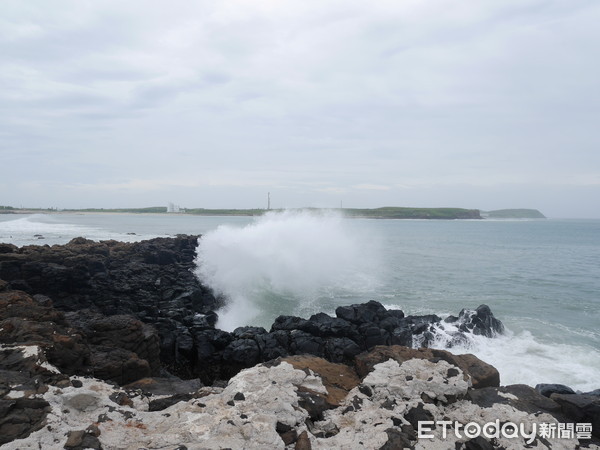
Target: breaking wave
284	262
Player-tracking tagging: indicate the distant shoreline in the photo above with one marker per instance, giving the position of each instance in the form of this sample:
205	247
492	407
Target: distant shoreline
364	213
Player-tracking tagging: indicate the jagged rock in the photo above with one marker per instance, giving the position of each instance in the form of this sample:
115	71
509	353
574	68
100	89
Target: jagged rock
74	438
417	414
82	439
402	336
274	344
121	398
164	403
72	349
481	321
327	326
481	373
580	408
338	379
302	342
370	312
291	323
120	331
151	280
20	417
25	368
242	352
263	407
373	335
116	295
519	396
118	365
548	389
396	440
303	442
341	349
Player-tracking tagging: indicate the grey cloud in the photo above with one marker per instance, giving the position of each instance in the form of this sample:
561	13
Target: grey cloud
465	103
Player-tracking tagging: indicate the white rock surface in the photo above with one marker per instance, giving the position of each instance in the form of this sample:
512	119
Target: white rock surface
217	420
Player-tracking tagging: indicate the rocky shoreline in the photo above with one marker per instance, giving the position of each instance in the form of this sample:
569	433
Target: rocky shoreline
113	345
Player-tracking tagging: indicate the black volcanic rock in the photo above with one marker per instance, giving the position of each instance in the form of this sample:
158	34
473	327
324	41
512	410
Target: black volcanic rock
147	278
357	328
20	417
370	312
581	408
481	321
140	297
548	389
123	311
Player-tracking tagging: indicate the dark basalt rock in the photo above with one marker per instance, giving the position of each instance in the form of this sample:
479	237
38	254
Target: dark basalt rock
105	286
121	331
99	346
164	386
527	399
397	439
580	408
548	389
418	414
164	403
478	443
111	309
20	417
213	354
370	312
481	322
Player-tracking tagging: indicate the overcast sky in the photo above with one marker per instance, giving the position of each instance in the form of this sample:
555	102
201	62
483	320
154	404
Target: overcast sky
474	104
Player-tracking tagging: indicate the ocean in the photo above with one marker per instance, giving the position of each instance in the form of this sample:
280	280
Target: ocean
541	278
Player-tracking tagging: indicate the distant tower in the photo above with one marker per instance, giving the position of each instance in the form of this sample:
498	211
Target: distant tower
268	200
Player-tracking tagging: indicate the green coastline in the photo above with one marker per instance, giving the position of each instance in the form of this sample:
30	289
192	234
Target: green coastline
388	212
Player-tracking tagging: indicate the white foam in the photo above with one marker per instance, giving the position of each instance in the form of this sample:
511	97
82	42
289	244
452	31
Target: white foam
43	229
522	359
284	256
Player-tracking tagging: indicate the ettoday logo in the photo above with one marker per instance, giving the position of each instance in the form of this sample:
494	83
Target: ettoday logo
508	430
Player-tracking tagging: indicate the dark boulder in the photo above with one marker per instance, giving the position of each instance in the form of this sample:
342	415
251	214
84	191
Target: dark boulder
120	331
481	373
20	417
328	326
118	365
274	345
481	322
371	311
242	352
164	386
305	343
522	397
580	408
290	323
548	389
339	350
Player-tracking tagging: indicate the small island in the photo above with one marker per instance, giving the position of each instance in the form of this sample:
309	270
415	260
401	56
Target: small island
513	214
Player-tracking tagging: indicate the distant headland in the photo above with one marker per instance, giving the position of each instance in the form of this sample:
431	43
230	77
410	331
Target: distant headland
387	212
513	214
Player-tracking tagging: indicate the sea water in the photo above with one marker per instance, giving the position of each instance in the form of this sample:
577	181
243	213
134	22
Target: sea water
540	277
